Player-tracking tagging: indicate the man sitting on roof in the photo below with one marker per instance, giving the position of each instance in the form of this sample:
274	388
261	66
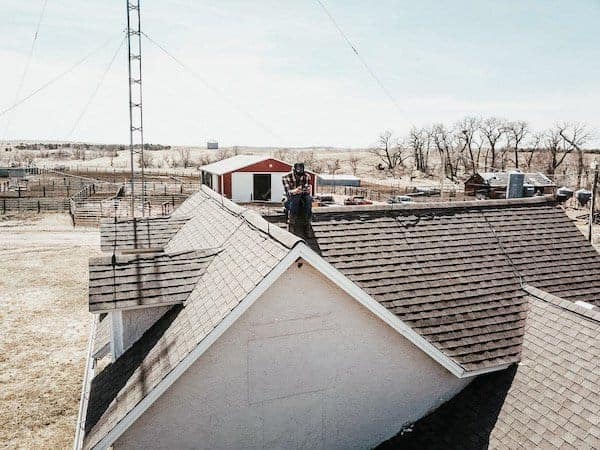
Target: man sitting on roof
297	190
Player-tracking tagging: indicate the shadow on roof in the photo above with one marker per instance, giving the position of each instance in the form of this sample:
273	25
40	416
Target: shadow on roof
108	383
465	422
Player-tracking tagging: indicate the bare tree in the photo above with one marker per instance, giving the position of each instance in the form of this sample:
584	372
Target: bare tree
308	158
317	166
390	151
222	154
353	161
534	146
333	165
445	142
204	160
467	128
575	135
146	161
554	145
516	132
185	157
80	153
419	143
492	129
283	154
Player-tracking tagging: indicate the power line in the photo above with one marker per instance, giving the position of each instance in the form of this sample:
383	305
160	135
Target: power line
97	88
27	64
55	79
359	56
216	90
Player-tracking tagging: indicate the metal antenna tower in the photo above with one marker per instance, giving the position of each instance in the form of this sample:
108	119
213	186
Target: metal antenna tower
136	122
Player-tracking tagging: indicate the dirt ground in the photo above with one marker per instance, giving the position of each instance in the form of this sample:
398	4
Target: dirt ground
44	326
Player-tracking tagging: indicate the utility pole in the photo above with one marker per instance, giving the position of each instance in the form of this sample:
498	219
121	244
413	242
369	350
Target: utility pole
593	200
136	122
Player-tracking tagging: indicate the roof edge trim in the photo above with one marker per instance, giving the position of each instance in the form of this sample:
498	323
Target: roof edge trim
85	389
103	310
591	314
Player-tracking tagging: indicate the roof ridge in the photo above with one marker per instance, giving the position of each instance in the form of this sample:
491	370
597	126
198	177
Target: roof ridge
591	314
254	219
111	220
410	206
128	257
223	166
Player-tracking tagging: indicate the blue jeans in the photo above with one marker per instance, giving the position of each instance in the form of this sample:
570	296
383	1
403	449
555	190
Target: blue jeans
301	203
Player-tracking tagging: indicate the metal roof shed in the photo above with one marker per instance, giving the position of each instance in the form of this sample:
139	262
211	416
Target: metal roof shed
326	179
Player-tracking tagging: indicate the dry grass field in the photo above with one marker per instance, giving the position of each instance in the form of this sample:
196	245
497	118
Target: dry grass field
44	327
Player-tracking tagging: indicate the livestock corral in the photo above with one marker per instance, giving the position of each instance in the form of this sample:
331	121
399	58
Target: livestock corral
89	197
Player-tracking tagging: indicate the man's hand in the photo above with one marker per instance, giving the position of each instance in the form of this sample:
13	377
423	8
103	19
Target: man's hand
296	191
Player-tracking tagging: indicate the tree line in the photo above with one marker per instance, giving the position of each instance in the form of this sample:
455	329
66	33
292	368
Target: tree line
475	144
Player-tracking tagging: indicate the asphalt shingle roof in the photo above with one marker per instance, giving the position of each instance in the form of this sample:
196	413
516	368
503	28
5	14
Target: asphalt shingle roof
248	249
150	233
129	281
549	251
549	400
453	272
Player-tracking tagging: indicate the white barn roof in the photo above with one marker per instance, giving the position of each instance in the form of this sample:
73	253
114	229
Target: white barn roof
233	163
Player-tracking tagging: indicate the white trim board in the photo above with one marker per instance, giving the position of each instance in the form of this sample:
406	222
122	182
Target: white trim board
116	333
85	390
300	251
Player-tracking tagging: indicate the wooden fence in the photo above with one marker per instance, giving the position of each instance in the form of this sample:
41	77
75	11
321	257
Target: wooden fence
91	170
30	204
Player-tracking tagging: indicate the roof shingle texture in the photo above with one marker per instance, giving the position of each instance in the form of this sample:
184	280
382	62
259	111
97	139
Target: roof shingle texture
129	281
441	271
549	400
549	251
453	272
246	255
150	233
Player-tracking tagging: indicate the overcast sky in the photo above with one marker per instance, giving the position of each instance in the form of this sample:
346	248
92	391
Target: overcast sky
284	63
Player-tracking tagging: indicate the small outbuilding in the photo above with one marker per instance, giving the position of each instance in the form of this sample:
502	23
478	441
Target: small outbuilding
493	184
326	179
247	178
13	172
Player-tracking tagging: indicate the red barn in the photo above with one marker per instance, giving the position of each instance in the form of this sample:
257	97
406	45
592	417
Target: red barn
248	178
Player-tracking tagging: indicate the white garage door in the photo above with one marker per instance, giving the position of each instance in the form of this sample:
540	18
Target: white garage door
277	187
242	186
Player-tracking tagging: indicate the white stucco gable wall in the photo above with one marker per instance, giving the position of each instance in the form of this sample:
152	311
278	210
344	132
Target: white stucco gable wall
305	367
